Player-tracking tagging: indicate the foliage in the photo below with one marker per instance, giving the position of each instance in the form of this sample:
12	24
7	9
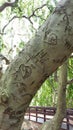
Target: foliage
70	86
47	95
19	22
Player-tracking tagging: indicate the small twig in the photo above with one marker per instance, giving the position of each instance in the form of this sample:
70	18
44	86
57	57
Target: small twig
7	4
4	58
70	81
39	7
2	33
14	17
9	22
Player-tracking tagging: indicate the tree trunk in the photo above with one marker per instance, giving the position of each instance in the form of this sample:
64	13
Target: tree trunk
55	123
40	57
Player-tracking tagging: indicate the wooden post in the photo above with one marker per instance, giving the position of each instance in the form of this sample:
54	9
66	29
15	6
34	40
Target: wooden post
29	113
36	113
67	118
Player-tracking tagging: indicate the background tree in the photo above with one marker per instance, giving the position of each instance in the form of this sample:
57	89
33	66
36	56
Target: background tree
55	123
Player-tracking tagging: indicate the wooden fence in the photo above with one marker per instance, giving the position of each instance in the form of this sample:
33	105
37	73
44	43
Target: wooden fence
42	114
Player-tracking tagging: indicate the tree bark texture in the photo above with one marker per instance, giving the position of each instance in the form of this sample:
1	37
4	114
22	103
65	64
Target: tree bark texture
41	56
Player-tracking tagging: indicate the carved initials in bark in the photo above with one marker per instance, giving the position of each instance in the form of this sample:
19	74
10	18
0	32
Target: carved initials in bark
68	45
23	72
51	39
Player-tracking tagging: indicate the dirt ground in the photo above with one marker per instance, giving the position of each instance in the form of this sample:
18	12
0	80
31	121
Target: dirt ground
30	125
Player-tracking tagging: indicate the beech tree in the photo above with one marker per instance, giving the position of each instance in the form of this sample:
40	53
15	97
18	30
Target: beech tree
40	57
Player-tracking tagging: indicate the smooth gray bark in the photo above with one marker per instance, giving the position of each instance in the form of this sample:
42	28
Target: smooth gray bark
41	56
56	122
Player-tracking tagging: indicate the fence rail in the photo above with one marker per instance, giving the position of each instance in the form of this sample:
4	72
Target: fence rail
42	114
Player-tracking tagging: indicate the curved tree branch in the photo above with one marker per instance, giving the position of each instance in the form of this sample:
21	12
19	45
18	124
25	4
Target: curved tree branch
44	53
